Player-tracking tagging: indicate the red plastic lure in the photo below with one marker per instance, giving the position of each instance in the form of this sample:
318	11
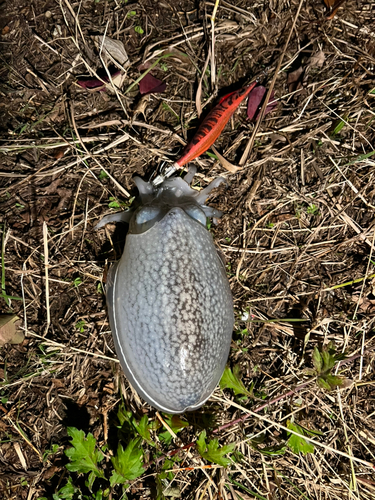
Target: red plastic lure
213	125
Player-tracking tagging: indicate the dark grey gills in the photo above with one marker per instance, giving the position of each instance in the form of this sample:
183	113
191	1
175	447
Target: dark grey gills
169	300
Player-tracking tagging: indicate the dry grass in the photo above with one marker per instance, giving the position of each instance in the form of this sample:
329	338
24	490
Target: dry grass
297	233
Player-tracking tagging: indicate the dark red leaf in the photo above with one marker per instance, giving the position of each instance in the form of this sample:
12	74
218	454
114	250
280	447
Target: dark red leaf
151	85
255	102
95	83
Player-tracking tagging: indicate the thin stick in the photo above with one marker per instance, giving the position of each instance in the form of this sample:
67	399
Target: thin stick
45	244
250	143
276	424
213	68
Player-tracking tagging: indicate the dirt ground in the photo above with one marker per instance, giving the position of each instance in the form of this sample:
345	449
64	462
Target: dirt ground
297	233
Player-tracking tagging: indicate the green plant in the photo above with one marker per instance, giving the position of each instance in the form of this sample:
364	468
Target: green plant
212	452
103	175
232	380
298	444
127	463
324	360
77	281
50	452
86	457
116	203
83	455
80	325
313	209
176	424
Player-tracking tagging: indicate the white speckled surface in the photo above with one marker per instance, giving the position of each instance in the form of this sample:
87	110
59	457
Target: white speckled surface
172	313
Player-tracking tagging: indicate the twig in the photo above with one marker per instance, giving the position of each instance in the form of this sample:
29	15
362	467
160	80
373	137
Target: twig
213	68
276	424
45	245
250	143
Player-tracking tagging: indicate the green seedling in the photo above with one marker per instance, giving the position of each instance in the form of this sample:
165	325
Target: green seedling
84	456
212	452
80	326
116	203
313	209
211	155
77	282
271	451
49	453
129	424
176	424
128	463
131	13
232	380
139	29
67	492
170	110
324	360
243	488
339	125
298	444
103	175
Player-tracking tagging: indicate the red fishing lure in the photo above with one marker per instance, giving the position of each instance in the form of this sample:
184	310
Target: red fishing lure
213	125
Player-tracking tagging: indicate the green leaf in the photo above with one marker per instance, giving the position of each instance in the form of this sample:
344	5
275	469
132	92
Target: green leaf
232	380
212	452
317	360
176	424
103	175
298	444
114	203
84	457
334	381
128	463
328	360
272	450
143	428
77	281
139	30
324	360
323	384
66	492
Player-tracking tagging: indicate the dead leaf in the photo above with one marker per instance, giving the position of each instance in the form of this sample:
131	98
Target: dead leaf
295	79
141	107
317	60
112	51
225	163
5	30
151	85
59	384
255	102
8	330
198	96
96	85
